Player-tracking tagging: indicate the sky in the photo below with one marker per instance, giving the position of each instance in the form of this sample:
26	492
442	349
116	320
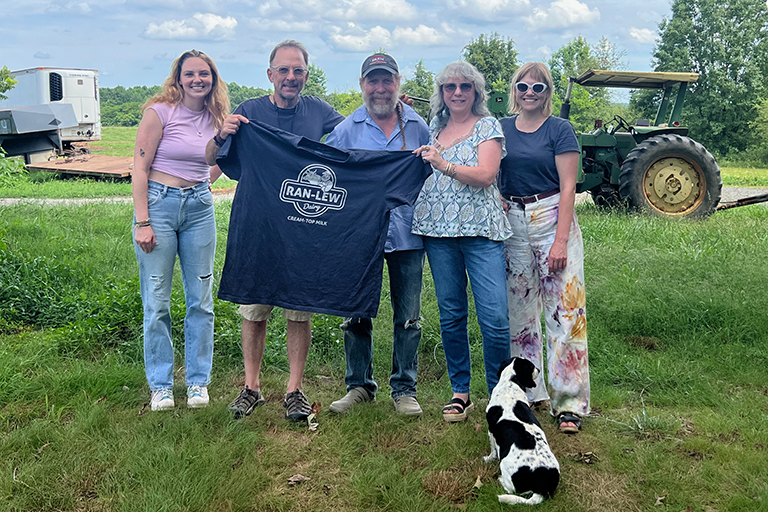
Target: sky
133	42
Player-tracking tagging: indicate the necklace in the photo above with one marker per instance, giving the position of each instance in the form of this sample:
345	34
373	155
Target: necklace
440	148
194	123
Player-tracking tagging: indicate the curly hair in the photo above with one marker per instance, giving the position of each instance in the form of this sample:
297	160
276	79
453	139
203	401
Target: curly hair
467	71
538	71
217	101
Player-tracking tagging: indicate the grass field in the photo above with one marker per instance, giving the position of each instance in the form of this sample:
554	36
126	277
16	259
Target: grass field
678	352
119	141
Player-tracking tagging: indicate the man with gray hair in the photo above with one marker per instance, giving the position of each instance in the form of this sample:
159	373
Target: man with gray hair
310	117
386	123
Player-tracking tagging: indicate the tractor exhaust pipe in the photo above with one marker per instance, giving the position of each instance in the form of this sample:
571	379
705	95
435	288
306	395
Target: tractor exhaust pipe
565	108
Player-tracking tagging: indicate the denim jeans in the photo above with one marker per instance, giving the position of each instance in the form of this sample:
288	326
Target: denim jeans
405	273
451	260
184	224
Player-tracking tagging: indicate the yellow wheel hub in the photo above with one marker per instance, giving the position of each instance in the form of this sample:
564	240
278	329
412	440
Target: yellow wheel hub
674	185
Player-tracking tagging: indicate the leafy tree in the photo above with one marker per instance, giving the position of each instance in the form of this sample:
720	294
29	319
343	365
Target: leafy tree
316	83
240	93
587	103
726	42
124	114
422	85
6	82
495	57
345	102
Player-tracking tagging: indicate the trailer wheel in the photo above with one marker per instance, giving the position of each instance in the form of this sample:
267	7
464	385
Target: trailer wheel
671	175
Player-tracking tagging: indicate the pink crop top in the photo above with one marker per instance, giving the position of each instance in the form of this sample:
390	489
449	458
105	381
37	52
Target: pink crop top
181	151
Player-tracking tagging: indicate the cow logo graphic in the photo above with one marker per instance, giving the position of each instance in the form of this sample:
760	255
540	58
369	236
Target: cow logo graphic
315	192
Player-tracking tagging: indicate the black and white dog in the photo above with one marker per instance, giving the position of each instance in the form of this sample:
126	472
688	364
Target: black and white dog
528	466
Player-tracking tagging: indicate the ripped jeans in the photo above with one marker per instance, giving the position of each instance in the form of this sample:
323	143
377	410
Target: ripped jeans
405	272
184	224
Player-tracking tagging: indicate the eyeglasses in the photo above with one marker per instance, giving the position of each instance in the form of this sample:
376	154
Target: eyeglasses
284	70
537	88
451	87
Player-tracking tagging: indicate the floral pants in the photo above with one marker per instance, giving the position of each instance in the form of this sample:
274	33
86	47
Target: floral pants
532	289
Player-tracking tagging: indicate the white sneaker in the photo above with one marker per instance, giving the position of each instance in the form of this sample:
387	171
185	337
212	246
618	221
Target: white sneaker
407	406
162	399
197	396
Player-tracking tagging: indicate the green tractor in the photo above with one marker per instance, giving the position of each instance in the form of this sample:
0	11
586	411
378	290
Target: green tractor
653	167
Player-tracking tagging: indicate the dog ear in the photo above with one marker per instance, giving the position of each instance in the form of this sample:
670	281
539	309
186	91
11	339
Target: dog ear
503	365
525	373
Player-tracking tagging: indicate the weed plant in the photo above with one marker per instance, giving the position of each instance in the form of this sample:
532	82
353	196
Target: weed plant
678	352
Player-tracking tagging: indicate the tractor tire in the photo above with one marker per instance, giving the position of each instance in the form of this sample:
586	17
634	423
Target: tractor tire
606	196
671	175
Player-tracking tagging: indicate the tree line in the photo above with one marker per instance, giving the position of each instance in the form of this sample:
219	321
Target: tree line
726	42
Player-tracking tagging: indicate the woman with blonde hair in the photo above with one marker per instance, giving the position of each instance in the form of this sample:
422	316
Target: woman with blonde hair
173	209
545	254
460	215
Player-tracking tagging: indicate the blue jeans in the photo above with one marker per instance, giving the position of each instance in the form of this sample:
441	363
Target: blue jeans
184	224
405	272
451	260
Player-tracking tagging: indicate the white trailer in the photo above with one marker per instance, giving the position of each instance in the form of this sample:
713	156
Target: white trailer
76	87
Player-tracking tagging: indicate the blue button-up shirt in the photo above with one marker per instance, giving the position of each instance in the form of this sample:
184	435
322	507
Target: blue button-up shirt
360	131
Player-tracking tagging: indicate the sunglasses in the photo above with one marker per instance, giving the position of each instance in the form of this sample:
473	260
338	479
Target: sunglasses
465	87
284	70
537	88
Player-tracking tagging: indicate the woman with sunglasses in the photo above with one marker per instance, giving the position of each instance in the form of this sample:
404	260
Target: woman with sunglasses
459	213
545	254
174	215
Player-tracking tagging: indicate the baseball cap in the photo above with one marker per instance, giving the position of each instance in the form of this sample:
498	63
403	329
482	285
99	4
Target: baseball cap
379	61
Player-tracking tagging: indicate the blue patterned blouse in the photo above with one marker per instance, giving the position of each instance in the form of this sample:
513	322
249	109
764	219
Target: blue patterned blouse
449	208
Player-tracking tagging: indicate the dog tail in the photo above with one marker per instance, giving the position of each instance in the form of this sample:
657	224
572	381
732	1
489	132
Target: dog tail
513	499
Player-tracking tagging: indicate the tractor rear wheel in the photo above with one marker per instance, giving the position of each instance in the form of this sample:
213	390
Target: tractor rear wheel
671	175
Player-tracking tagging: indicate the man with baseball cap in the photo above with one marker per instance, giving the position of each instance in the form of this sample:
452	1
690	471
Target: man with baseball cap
384	122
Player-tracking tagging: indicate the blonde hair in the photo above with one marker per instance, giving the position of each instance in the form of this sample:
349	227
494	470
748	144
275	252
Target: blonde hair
467	71
217	101
538	71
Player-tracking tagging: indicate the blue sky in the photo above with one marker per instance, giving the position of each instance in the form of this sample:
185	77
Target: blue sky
132	42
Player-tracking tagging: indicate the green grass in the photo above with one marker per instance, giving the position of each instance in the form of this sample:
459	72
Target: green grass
744	177
678	357
115	141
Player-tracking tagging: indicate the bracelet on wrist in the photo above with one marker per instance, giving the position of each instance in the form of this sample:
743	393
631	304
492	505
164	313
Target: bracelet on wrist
217	139
143	223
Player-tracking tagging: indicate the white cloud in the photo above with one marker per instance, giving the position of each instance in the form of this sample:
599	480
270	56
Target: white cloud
200	26
563	14
380	10
359	40
420	36
642	35
490	10
543	52
76	7
282	25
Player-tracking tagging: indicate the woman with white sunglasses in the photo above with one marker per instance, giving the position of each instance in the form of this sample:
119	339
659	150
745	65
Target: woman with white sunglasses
545	254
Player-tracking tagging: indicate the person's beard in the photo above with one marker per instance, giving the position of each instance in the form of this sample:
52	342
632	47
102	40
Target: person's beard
377	107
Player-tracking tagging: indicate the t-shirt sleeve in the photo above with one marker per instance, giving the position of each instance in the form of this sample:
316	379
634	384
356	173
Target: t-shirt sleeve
331	118
407	175
336	138
489	128
566	140
227	159
162	111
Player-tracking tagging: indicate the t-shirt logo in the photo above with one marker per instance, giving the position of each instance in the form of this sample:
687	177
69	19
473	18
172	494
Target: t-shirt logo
315	192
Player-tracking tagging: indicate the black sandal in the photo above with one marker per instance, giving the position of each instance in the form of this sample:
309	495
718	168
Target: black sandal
568	417
457	404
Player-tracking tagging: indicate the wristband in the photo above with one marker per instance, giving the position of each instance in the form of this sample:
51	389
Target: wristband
217	139
143	223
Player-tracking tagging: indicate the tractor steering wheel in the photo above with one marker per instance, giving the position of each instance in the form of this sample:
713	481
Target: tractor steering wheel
620	123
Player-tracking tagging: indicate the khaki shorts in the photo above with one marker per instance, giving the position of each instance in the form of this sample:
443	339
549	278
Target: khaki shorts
261	312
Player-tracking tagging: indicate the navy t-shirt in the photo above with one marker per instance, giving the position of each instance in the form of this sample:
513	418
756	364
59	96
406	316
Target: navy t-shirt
308	223
529	167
